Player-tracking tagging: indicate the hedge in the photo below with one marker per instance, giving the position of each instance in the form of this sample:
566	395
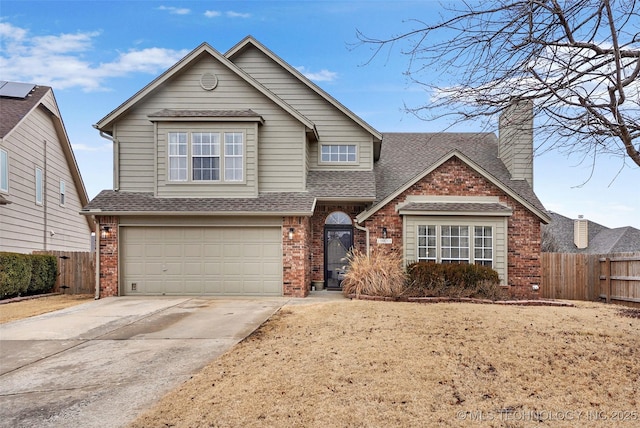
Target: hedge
428	279
26	274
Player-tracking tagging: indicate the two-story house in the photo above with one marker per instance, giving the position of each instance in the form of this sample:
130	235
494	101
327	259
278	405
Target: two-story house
41	190
236	175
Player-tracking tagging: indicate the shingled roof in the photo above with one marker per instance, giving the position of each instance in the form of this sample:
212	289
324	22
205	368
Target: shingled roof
601	239
406	156
342	184
13	110
118	202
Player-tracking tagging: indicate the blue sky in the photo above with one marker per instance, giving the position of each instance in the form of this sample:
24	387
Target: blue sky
96	54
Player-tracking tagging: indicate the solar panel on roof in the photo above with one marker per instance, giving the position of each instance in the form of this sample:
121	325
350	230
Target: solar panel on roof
15	89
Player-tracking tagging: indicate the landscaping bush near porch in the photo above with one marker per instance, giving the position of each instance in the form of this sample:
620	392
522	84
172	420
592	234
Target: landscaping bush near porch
380	274
383	274
427	279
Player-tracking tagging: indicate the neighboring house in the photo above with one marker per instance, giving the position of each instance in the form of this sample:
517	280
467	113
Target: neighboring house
41	190
236	175
565	235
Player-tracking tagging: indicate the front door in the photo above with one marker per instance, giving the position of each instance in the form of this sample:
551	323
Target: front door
338	240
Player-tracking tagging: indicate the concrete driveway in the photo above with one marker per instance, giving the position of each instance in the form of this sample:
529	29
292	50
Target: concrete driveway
101	363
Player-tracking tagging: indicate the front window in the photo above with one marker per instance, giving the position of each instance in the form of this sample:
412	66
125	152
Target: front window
203	156
338	153
483	245
455	244
4	171
427	247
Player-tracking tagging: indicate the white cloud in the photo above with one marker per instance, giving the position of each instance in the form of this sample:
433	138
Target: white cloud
175	10
61	61
323	75
232	14
212	13
88	148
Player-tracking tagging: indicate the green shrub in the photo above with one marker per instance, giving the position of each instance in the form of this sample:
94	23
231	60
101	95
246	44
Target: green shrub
381	274
15	274
43	274
427	279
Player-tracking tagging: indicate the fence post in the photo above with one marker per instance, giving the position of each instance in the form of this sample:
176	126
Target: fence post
607	278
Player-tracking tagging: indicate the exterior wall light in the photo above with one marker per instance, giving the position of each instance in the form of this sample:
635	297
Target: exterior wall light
291	230
104	234
384	233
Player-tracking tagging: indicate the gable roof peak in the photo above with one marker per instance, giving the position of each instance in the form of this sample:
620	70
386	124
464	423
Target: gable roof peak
249	40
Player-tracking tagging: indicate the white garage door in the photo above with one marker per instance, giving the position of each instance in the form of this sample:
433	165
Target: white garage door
212	261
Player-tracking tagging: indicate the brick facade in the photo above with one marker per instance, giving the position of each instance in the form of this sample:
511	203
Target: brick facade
108	256
296	256
455	178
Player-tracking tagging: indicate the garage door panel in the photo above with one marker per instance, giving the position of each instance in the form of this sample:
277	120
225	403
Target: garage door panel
271	269
202	260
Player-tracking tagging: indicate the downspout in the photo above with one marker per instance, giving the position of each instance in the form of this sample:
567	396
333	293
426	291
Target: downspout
116	158
97	281
364	229
44	197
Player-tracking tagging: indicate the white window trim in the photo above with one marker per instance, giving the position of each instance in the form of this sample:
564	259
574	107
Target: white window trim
4	171
471	236
222	155
39	187
354	162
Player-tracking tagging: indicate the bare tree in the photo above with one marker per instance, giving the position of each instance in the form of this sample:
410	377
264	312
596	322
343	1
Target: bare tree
578	60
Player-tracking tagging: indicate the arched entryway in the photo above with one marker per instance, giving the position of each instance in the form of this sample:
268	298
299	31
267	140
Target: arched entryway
338	240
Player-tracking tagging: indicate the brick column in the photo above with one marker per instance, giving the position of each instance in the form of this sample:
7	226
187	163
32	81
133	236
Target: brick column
296	260
108	256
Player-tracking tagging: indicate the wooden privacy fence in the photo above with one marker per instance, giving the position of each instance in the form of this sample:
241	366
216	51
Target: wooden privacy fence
76	270
611	277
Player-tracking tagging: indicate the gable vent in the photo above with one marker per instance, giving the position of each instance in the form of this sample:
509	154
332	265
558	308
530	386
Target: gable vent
208	81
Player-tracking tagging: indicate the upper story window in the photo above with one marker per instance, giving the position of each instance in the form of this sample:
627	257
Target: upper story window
206	156
39	186
62	192
4	171
341	153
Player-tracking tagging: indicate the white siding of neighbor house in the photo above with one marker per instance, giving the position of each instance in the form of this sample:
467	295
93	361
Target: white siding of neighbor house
499	225
279	142
24	225
333	126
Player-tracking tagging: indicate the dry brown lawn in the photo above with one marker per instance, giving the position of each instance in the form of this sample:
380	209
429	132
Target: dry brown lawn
382	364
27	308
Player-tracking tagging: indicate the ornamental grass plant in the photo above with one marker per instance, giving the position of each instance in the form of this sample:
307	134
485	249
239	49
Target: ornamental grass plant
381	273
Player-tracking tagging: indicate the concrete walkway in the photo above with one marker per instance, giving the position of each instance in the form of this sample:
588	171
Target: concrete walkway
101	363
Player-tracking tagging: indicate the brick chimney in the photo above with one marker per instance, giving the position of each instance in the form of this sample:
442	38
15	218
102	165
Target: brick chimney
581	232
515	140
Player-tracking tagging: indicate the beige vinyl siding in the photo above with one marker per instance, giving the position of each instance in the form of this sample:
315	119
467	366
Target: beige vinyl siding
499	225
280	141
333	126
24	225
